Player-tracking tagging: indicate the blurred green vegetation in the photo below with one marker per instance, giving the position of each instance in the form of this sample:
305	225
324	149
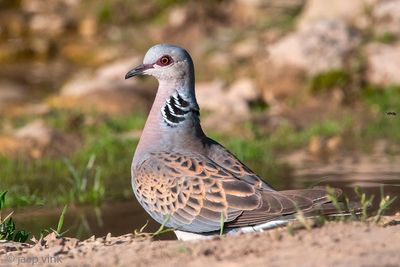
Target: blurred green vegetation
382	101
137	11
329	80
58	180
286	21
386	38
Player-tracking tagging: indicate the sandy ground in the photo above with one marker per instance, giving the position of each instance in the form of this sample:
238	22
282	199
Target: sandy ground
335	244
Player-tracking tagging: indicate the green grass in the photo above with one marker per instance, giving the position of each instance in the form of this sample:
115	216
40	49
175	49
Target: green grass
75	178
22	195
61	222
383	98
7	226
58	231
86	185
329	80
386	38
122	12
365	202
104	12
385	202
53	182
161	230
221	224
359	211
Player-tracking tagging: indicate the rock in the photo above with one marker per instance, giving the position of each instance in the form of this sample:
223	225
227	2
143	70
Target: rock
318	47
383	64
35	131
109	77
178	16
239	96
247	12
35	109
105	90
29	140
210	96
216	97
34	6
47	24
219	60
121	101
246	48
37	139
47	20
353	12
81	84
229	105
244	89
39	6
386	17
280	82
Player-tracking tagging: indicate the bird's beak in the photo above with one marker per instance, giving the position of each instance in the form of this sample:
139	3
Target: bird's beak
138	70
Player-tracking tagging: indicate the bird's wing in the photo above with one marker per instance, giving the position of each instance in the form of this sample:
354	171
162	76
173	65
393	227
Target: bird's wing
282	203
196	193
192	190
224	158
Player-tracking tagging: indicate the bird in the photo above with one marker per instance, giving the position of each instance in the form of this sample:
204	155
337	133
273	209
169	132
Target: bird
193	184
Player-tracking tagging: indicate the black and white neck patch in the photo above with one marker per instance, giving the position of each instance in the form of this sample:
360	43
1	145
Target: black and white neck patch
175	110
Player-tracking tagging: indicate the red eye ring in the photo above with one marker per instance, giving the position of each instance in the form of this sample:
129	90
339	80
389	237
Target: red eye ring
164	60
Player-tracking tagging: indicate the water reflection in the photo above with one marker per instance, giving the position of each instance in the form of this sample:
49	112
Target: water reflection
116	218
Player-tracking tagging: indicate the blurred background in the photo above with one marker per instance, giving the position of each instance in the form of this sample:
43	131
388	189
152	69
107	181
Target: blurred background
306	92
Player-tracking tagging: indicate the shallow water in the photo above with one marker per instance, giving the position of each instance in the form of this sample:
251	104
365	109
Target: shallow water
116	218
124	217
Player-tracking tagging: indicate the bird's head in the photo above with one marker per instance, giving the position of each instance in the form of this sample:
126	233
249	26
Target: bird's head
164	62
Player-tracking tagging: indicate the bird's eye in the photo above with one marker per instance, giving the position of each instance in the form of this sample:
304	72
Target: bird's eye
164	61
